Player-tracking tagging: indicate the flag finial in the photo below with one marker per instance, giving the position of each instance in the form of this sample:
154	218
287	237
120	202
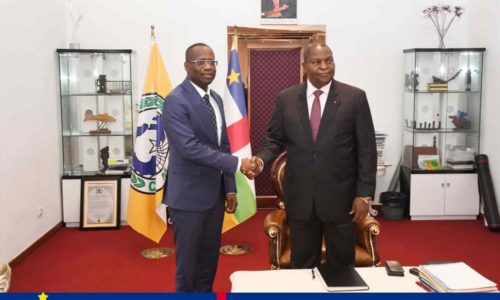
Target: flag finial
152	32
235	38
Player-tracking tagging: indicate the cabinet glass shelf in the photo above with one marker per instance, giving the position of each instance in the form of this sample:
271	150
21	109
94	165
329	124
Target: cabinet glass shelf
96	94
449	130
443	92
77	172
77	134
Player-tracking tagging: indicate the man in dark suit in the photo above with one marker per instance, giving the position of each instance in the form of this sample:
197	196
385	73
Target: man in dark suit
200	172
326	127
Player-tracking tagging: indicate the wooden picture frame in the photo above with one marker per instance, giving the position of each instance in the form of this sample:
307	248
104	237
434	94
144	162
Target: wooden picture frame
100	203
278	11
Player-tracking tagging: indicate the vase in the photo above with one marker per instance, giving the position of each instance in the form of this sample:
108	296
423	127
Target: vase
441	42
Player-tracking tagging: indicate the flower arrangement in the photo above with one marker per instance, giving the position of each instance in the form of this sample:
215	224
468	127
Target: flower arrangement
76	16
439	17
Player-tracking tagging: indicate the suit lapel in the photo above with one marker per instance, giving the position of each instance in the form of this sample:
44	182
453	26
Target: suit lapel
331	106
200	109
218	100
304	113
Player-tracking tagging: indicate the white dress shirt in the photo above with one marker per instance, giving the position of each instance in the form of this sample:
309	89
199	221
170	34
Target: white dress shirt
322	98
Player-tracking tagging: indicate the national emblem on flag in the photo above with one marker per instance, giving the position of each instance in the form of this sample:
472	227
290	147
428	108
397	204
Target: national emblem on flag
146	214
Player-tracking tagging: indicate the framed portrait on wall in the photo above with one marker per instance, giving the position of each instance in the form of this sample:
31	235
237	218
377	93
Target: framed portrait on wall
278	11
100	203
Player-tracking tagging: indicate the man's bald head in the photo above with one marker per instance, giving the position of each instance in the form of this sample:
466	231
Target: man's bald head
313	46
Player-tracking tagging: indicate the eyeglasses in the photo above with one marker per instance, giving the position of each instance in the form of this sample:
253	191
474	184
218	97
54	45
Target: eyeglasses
201	62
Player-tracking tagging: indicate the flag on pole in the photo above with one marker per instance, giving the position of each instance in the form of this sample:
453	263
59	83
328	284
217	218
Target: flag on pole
239	138
145	213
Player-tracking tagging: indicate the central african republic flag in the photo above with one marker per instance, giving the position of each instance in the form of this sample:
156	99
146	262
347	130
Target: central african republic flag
239	138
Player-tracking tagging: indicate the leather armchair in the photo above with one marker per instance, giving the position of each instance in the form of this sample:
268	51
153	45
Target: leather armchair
5	273
278	232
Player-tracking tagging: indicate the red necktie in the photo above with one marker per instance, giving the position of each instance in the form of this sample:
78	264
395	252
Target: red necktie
315	114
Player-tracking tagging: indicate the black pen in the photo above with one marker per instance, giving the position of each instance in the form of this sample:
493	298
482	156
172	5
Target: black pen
312	272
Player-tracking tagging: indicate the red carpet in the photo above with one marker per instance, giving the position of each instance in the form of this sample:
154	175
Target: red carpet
416	242
94	261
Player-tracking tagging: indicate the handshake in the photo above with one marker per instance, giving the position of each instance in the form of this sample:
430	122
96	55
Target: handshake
251	167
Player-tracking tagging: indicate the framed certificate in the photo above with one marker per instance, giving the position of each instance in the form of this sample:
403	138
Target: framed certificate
100	203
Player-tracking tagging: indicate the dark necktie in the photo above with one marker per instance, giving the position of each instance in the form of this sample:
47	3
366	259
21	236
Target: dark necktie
206	99
315	114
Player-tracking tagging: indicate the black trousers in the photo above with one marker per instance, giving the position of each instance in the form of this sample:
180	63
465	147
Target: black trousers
197	237
306	240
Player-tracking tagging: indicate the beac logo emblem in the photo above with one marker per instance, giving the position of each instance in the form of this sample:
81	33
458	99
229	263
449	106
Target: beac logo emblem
150	158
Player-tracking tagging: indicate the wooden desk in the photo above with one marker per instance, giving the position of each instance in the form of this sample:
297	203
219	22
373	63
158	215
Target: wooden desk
301	281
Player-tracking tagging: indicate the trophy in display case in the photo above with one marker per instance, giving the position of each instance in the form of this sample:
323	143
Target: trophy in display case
101	84
102	122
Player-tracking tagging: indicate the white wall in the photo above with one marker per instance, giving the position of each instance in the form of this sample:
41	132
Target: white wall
30	31
483	31
367	37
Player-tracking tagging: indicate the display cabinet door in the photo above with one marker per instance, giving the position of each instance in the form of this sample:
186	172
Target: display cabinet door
462	195
71	201
125	185
427	194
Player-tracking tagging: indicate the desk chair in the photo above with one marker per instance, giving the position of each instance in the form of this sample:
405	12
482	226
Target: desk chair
277	230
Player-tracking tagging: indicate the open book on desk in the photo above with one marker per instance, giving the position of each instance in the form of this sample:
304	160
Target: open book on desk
340	278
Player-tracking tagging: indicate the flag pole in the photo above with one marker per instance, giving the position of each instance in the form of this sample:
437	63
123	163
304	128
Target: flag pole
157	252
235	249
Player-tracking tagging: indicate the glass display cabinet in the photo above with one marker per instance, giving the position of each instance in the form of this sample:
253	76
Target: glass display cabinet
97	124
441	129
96	106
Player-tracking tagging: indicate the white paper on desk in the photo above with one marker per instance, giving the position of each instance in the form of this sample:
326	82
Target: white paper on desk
458	276
271	281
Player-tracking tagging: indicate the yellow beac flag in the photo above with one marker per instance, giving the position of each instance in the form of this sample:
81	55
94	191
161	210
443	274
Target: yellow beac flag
146	214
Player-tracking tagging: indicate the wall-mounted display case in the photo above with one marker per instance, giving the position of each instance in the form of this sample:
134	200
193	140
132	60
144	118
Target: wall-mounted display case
96	107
